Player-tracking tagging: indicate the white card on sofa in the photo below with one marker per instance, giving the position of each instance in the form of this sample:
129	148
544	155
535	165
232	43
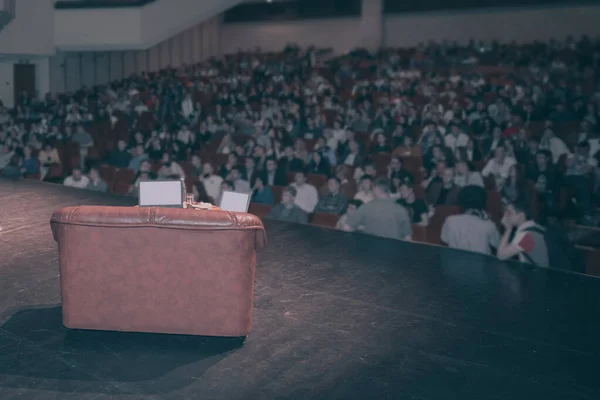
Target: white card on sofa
236	202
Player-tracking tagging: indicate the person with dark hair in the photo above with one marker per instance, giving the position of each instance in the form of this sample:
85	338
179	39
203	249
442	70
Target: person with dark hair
466	175
13	170
200	194
77	179
417	208
334	202
96	182
318	164
353	205
472	230
273	175
528	242
239	185
261	194
382	216
212	182
306	196
365	192
169	168
287	210
580	168
29	164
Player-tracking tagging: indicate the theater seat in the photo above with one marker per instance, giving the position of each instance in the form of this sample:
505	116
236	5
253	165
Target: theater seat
434	229
107	173
33	177
317	180
592	267
125	175
419	233
277	192
260	210
120	188
325	219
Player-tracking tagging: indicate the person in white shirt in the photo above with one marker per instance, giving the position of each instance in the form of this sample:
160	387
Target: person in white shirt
212	183
185	136
498	167
307	196
239	185
170	168
554	144
77	179
365	192
466	175
456	139
187	106
472	230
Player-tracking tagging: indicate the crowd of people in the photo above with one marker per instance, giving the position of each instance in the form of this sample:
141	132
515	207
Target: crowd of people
380	140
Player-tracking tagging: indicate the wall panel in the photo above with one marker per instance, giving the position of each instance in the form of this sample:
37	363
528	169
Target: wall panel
141	62
102	68
153	58
176	55
116	65
96	68
57	73
129	67
73	69
88	69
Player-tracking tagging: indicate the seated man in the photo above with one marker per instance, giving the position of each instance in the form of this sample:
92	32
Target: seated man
287	210
96	183
77	179
365	192
444	191
239	185
353	205
472	230
334	202
381	217
528	242
417	208
306	196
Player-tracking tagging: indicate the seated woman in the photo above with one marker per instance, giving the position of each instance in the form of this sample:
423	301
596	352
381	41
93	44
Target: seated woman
380	144
200	194
318	164
227	145
261	194
513	189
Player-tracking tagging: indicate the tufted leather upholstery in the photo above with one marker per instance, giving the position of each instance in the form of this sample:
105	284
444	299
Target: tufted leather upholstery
164	270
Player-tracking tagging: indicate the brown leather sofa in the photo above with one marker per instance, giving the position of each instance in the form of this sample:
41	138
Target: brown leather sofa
160	270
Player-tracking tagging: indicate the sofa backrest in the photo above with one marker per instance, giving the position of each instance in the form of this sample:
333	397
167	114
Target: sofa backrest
157	217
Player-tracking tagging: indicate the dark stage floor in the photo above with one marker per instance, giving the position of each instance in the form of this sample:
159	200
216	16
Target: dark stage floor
337	316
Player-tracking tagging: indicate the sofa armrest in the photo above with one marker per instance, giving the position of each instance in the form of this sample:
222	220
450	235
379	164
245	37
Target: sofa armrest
167	218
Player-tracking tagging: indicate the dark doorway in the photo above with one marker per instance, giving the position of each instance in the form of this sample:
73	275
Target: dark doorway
24	80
